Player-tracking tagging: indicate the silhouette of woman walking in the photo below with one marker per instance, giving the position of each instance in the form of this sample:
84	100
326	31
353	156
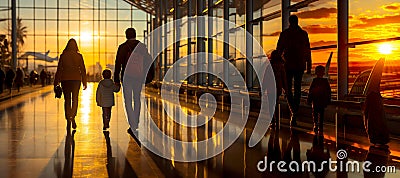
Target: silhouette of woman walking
71	72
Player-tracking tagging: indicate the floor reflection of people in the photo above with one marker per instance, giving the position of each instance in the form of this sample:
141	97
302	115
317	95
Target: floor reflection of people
110	160
317	154
274	150
378	158
292	154
69	154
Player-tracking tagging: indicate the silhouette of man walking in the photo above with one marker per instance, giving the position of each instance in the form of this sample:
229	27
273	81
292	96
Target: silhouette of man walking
294	44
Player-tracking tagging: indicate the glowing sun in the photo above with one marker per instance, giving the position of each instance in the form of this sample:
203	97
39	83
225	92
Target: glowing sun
86	36
385	48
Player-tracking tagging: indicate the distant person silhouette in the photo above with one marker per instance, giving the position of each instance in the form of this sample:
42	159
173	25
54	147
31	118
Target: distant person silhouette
375	121
319	97
2	77
105	96
19	79
131	68
277	64
9	78
294	45
43	77
33	77
71	72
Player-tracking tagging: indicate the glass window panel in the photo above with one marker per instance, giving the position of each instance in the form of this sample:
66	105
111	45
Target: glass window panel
22	3
112	44
103	44
123	5
40	14
86	45
39	44
111	14
51	3
74	14
112	4
63	27
124	14
86	14
51	14
122	26
87	26
51	28
73	3
103	29
74	28
87	3
39	27
140	26
28	44
63	14
51	43
63	4
138	15
25	13
112	28
29	25
102	3
40	3
96	15
3	14
4	3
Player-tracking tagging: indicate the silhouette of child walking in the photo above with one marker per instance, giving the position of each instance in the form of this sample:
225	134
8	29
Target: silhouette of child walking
278	66
105	96
319	96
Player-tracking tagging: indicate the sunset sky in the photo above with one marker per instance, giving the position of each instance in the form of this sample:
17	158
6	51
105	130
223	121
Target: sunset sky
368	20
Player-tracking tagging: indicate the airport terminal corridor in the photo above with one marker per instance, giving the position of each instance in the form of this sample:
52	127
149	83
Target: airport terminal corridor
36	144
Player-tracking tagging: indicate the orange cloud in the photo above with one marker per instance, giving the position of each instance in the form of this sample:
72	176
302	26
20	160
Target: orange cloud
313	29
375	21
322	43
317	13
391	7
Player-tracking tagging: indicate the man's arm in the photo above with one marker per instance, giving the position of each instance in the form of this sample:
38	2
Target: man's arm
118	61
83	73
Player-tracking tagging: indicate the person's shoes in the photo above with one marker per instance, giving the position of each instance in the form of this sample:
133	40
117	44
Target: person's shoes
104	128
134	136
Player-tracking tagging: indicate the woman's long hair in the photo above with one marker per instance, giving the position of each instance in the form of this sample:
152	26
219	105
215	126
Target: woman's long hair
71	46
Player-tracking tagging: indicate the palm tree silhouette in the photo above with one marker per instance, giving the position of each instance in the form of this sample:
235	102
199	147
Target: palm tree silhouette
21	34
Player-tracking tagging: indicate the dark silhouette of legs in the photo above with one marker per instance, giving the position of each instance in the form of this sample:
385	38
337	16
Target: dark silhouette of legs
106	117
71	93
294	79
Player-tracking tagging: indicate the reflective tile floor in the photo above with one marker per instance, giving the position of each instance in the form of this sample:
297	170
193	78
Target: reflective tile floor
34	143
